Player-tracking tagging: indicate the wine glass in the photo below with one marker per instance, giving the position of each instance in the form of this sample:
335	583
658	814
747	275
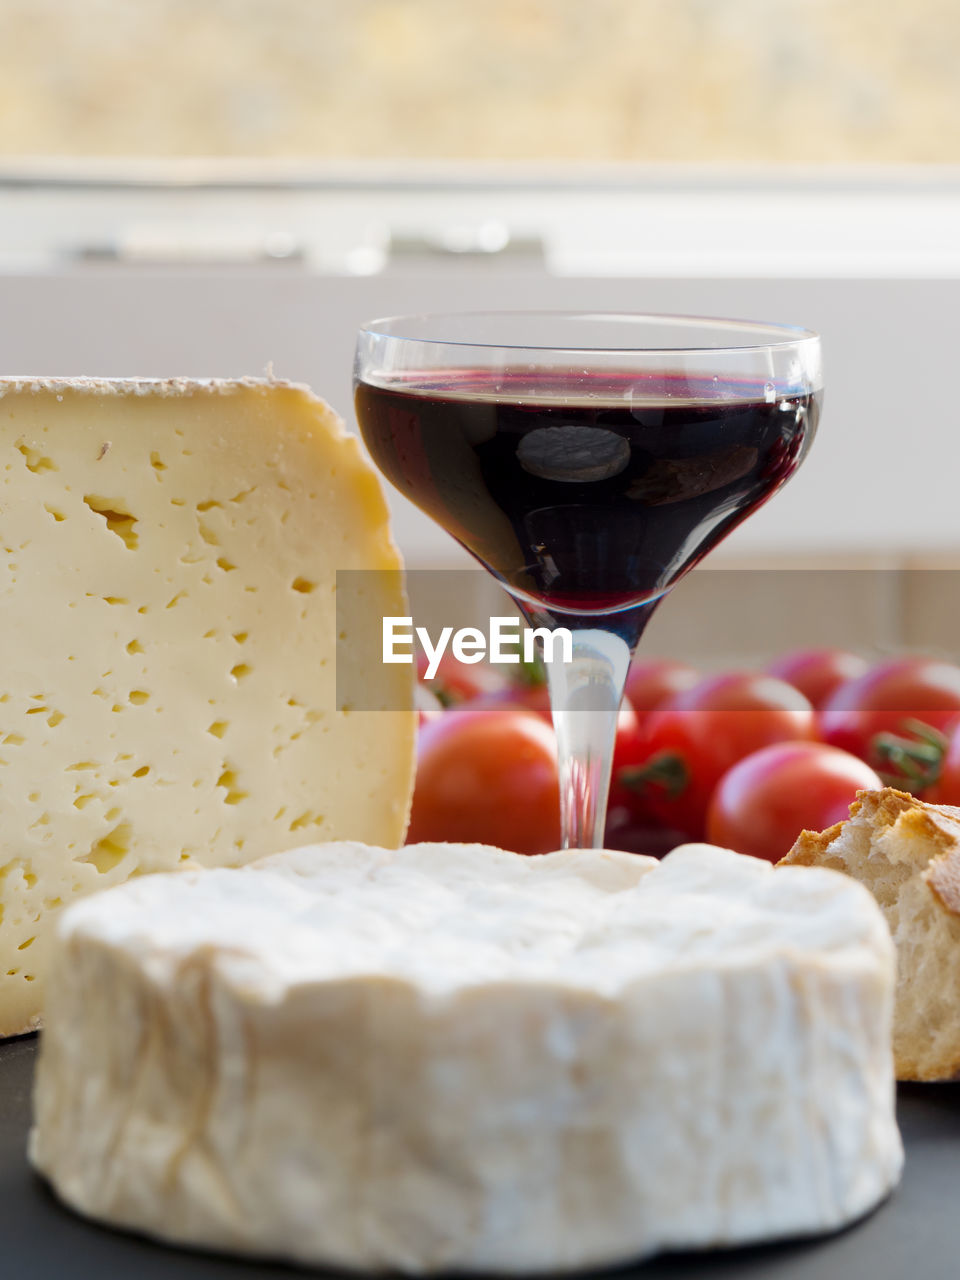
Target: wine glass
588	461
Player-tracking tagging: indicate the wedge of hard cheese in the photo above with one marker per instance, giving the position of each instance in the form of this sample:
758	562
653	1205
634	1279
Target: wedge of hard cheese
449	1057
168	558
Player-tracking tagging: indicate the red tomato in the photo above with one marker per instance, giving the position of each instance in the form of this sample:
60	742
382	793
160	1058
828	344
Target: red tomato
762	804
455	682
488	776
653	684
692	742
890	699
817	672
629	752
629	747
530	697
946	790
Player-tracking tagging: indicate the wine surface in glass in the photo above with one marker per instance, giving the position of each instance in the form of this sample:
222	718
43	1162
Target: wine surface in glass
585	493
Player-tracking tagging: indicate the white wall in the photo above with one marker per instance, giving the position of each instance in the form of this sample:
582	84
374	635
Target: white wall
872	260
884	473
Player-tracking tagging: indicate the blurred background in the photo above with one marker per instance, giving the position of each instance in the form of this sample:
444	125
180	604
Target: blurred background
206	187
694	81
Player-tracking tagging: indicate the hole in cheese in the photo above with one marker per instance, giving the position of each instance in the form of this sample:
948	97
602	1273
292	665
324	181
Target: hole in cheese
306	819
35	460
110	849
228	781
119	522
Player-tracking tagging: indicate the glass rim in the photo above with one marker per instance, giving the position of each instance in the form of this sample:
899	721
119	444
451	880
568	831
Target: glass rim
778	334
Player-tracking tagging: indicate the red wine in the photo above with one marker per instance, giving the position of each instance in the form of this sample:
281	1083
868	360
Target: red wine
585	493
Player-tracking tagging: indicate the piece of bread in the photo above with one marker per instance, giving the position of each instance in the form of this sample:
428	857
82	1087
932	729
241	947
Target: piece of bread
907	853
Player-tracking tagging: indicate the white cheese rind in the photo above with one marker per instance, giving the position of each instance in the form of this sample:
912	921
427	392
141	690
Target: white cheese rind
168	559
452	1058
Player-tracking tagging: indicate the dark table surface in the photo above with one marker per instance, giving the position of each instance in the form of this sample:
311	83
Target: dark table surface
915	1235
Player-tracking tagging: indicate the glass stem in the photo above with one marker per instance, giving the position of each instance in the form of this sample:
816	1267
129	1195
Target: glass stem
585	697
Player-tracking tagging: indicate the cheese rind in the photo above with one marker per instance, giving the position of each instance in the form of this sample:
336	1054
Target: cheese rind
454	1058
168	558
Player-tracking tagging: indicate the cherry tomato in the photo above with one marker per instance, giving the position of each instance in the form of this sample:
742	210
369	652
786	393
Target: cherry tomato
455	682
894	698
817	672
762	804
653	684
692	742
629	747
530	697
946	789
629	752
488	776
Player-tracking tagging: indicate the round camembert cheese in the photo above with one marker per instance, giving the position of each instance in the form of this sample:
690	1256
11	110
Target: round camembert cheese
448	1057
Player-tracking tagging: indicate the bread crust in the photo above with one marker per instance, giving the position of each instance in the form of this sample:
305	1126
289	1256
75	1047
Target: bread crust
907	852
943	879
810	848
